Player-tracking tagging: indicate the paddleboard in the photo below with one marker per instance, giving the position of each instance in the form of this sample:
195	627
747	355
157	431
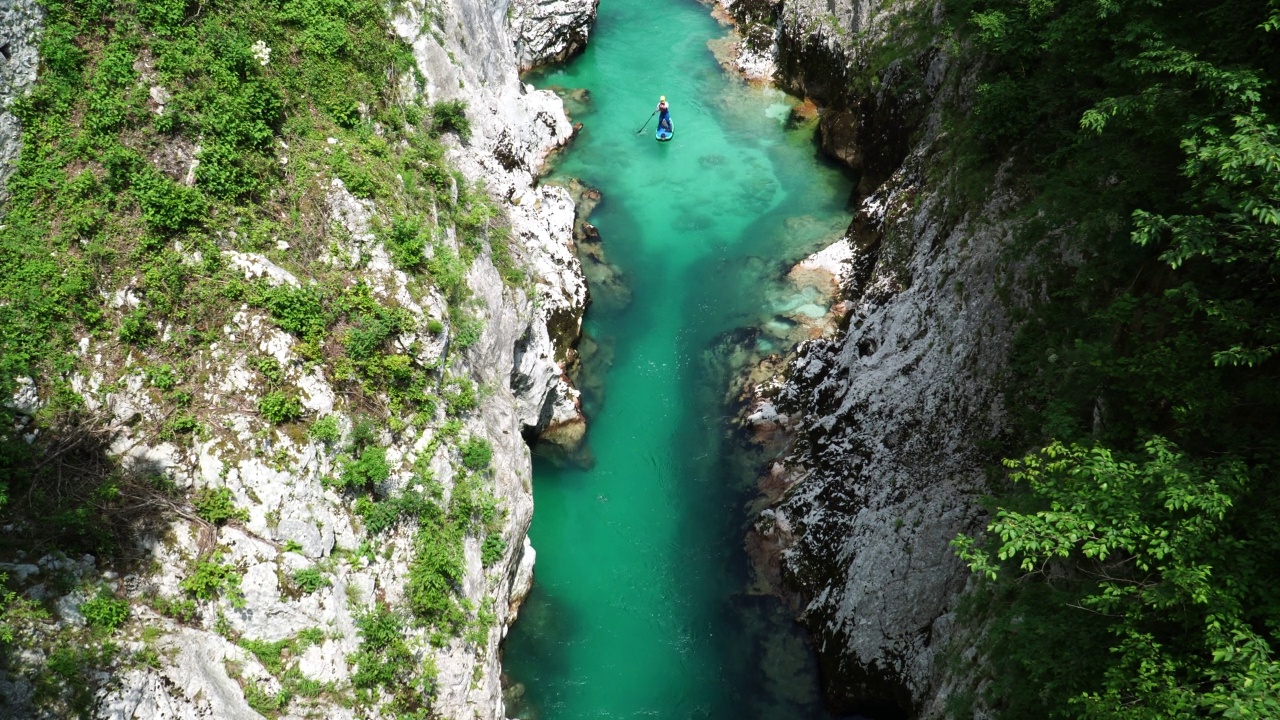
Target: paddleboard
664	134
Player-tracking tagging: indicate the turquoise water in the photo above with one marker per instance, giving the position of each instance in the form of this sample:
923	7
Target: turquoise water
640	606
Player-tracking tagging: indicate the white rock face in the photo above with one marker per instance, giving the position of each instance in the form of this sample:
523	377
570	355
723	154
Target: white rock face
21	22
751	49
294	521
193	683
550	31
514	128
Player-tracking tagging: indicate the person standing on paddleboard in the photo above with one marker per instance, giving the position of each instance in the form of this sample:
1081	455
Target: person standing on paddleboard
664	114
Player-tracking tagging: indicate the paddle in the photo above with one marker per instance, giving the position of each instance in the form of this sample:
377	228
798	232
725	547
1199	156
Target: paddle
646	122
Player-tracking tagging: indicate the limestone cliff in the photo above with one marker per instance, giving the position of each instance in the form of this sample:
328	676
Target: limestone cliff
550	31
885	423
299	568
20	25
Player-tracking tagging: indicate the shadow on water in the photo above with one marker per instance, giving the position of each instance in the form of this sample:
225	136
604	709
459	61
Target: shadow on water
545	623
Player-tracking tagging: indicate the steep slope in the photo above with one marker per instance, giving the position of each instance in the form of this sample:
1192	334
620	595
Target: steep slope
1131	150
288	467
886	423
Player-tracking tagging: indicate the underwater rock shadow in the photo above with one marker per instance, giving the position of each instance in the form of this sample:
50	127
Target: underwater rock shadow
540	633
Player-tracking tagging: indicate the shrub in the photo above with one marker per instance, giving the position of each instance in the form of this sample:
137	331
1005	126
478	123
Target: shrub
298	311
369	470
264	702
478	631
161	376
380	516
161	15
310	580
383	658
434	575
270	654
218	506
461	397
492	549
451	115
15	611
406	243
277	407
355	176
270	369
365	340
326	430
167	206
211	577
308	637
137	329
105	612
449	273
184	424
363	434
477	453
467	331
180	609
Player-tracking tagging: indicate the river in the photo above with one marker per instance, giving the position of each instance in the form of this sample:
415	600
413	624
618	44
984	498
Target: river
640	605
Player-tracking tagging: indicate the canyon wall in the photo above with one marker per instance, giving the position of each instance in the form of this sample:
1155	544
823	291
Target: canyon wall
888	424
288	517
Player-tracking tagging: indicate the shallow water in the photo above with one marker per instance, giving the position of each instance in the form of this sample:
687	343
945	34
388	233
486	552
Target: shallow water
640	605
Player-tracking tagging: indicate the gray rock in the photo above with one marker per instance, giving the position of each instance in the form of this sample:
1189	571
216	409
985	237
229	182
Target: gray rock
550	31
20	572
193	684
315	542
21	25
890	418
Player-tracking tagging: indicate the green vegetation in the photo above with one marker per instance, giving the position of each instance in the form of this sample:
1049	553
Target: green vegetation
326	430
105	611
451	116
1130	556
385	662
16	614
106	197
278	407
309	580
406	242
162	137
461	397
438	566
181	609
68	684
366	472
280	659
477	454
162	376
216	505
266	703
210	578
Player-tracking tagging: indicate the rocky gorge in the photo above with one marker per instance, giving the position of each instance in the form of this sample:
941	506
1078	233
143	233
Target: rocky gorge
331	479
